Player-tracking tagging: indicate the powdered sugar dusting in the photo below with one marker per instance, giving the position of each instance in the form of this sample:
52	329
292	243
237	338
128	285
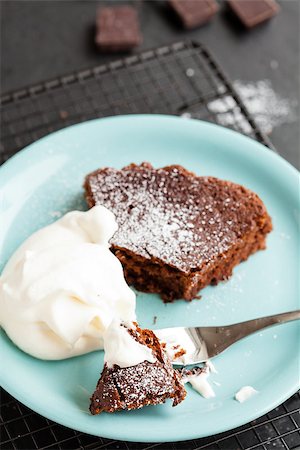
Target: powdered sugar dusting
143	380
55	214
183	220
137	386
268	108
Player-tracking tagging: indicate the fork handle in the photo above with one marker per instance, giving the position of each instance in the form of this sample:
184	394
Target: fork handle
244	329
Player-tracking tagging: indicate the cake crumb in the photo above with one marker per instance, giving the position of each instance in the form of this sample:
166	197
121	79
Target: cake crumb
154	320
63	114
55	214
180	352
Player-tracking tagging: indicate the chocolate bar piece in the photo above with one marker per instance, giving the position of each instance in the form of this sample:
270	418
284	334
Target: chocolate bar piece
253	12
194	13
117	28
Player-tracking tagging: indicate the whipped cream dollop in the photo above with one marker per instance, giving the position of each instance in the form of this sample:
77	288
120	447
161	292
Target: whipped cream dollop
201	384
199	380
245	393
122	349
62	288
179	347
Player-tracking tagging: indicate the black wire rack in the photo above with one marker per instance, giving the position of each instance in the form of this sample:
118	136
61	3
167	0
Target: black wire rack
179	79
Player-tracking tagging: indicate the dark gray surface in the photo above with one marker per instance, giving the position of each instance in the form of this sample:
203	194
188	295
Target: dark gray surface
44	39
162	85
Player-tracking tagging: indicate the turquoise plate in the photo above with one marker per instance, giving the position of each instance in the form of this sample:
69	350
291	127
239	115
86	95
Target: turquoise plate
45	180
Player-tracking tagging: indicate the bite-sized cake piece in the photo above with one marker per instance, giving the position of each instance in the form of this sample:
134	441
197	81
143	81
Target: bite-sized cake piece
178	232
136	373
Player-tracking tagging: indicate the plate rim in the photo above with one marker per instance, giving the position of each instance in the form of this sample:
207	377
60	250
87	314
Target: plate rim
218	128
258	148
123	436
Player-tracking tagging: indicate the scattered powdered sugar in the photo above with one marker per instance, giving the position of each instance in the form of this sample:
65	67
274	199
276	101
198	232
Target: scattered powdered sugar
55	214
183	220
134	387
285	236
245	393
186	115
140	381
190	72
268	108
274	64
138	385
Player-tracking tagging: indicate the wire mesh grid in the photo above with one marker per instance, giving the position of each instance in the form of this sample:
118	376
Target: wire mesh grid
178	79
181	79
21	428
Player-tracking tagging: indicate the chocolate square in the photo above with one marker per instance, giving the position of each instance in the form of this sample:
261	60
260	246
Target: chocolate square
117	28
253	12
194	13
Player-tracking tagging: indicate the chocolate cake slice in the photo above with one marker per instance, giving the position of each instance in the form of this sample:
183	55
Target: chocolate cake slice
145	383
178	232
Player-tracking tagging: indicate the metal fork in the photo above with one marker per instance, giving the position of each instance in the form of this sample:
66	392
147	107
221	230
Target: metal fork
203	343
